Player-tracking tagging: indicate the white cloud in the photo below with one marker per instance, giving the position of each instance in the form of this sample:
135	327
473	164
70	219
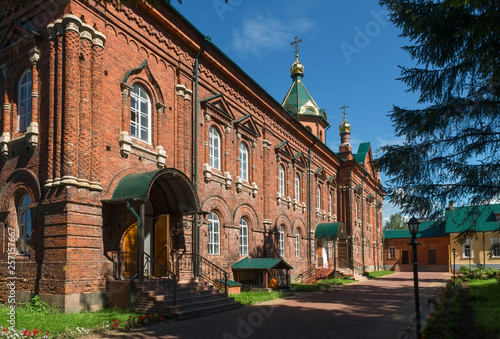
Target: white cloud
262	34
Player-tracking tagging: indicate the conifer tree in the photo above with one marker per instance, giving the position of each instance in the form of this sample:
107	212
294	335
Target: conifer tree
451	147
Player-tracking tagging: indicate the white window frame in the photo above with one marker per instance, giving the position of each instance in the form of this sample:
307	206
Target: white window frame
213	234
470	244
297	243
24	101
214	148
495	246
392	252
281	180
23	224
243	161
330	203
243	237
297	187
318	194
281	241
139	129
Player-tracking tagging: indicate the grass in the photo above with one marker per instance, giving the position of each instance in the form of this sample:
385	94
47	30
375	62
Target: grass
484	296
50	322
248	298
337	281
378	274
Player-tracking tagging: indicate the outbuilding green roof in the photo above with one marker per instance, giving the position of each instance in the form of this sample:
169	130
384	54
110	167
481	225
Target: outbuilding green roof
426	230
261	264
481	218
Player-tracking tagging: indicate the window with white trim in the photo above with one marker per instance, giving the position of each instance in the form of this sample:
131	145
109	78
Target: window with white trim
23	225
243	162
213	233
318	195
281	180
243	237
495	247
297	243
467	249
330	203
297	187
214	148
24	101
281	241
392	252
140	114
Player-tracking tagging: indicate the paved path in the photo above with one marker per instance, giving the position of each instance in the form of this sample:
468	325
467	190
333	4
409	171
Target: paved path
380	308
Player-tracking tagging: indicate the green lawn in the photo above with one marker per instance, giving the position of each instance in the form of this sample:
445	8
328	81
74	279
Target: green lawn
484	296
378	274
54	324
248	298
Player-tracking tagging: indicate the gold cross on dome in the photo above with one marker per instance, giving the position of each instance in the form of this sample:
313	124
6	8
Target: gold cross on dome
344	107
296	43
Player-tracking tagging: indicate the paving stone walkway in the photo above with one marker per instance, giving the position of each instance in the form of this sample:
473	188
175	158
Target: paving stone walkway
379	308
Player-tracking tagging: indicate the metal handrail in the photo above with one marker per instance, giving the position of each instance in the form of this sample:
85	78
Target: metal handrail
205	269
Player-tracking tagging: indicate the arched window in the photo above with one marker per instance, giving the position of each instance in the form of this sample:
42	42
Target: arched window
243	237
243	162
281	242
140	114
24	225
214	146
297	243
213	234
297	187
318	192
24	101
281	180
330	203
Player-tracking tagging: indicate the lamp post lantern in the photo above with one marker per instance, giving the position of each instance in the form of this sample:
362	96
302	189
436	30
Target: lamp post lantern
413	225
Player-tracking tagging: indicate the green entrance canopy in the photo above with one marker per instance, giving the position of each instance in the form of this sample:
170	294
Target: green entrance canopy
261	264
333	230
176	188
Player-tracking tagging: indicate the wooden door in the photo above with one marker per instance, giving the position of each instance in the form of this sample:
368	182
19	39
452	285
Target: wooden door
432	256
130	249
405	257
319	252
161	242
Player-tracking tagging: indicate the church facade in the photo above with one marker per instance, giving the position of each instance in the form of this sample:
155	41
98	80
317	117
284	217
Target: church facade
125	130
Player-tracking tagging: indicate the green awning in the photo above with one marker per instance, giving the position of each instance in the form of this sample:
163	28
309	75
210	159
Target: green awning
176	189
331	230
261	264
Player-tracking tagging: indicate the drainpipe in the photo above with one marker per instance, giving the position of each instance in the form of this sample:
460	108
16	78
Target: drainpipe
195	137
309	202
138	255
363	221
378	231
383	249
352	227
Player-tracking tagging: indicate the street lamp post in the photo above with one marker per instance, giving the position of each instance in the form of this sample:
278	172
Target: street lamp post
454	266
413	225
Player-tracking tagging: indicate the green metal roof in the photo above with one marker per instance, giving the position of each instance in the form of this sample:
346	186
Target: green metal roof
480	218
362	152
426	230
299	102
261	264
178	191
330	230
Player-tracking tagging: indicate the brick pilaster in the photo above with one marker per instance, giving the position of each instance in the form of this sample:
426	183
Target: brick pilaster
58	93
50	125
96	122
71	81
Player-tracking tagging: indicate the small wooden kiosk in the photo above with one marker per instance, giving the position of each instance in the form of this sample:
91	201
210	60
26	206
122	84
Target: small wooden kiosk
258	270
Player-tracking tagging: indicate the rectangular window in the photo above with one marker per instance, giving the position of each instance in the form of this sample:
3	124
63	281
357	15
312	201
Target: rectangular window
392	252
467	250
495	247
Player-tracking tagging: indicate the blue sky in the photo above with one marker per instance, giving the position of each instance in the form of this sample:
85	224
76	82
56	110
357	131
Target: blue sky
349	50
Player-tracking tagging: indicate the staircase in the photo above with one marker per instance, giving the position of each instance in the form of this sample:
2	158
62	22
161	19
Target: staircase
193	298
177	295
312	274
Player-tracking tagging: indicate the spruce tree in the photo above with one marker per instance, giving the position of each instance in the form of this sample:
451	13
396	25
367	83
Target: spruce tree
451	146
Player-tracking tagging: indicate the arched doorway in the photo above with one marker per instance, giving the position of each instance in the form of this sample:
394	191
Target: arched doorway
157	200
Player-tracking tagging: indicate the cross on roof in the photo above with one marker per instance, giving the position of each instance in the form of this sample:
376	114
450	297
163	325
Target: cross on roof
344	107
296	43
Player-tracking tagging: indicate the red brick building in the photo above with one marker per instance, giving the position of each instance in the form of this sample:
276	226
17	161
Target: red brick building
124	129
